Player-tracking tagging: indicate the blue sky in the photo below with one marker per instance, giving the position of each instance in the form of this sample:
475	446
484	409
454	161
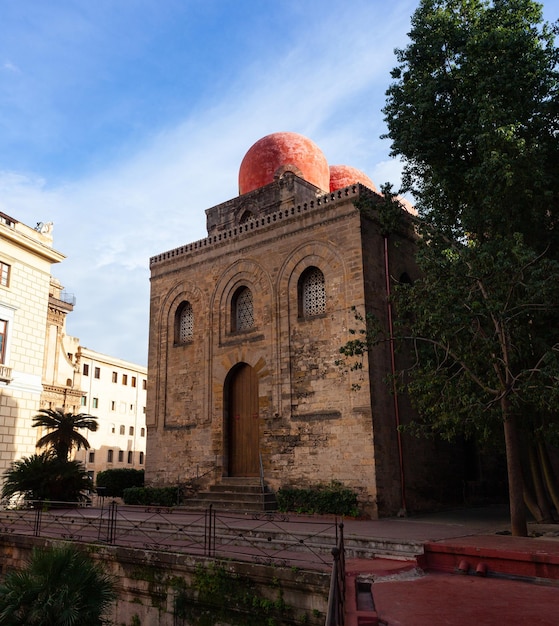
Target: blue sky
121	121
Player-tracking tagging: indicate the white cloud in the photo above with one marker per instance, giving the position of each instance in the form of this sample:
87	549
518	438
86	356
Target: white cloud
11	67
111	222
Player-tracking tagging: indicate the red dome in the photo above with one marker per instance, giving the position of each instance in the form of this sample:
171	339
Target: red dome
275	154
344	175
407	205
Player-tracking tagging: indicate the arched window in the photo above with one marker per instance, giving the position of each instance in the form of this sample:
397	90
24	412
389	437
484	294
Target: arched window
184	323
311	293
246	217
242	311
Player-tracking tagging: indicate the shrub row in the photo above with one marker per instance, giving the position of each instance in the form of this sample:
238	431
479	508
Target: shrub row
115	481
332	498
160	496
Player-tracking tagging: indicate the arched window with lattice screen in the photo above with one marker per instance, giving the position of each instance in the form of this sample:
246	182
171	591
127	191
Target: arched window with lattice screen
311	293
184	323
242	310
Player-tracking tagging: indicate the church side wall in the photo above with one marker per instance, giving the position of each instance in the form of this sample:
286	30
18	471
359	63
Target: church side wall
312	427
432	470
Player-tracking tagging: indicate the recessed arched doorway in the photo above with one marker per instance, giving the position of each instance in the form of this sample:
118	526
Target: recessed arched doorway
241	393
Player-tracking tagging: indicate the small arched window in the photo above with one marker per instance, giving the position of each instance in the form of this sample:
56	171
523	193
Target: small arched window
184	323
311	293
247	216
242	311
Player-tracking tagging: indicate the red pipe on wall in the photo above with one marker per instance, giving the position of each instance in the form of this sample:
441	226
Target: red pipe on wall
403	510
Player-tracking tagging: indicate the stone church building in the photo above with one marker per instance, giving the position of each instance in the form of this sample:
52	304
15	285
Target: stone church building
245	331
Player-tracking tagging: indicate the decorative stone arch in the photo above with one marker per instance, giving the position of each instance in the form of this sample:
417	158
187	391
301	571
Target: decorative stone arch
245	212
223	373
241	421
176	297
330	262
314	254
247	273
288	168
166	353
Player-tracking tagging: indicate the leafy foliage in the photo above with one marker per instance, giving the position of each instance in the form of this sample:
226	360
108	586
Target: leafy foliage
474	113
161	496
218	596
333	499
115	481
45	477
63	427
61	586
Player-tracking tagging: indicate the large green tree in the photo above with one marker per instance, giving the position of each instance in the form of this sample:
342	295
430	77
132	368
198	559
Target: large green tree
61	586
63	429
473	112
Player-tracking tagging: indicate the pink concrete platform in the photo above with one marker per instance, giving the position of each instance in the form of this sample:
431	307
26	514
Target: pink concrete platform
504	581
494	555
439	599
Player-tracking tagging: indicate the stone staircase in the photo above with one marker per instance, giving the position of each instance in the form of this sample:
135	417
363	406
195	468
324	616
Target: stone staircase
235	494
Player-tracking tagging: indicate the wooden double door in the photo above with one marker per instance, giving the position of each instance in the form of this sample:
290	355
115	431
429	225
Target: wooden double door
243	421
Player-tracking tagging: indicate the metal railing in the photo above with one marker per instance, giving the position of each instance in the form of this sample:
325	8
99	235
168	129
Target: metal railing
336	598
266	538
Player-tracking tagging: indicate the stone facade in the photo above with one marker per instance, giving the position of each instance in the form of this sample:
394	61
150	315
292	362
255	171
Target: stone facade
26	257
42	367
314	422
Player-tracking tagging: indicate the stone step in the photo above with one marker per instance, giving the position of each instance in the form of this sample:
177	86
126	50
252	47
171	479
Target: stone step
228	488
240	480
232	502
231	496
238	493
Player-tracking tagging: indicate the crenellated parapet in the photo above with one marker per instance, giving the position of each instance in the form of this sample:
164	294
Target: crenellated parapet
293	212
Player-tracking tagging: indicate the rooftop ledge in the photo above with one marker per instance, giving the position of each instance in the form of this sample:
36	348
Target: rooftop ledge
259	222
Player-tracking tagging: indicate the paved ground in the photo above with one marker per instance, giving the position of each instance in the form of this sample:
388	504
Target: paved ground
403	595
390	591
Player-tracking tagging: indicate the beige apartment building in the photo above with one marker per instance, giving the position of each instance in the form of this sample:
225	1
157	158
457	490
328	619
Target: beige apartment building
26	257
113	391
41	366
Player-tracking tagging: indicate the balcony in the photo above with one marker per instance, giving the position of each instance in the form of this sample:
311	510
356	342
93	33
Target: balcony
5	374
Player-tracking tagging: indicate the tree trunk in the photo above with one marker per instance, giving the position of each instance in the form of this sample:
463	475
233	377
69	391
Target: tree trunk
519	527
548	474
539	489
532	505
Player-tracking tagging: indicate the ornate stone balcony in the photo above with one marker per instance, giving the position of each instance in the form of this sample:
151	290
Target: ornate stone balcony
5	373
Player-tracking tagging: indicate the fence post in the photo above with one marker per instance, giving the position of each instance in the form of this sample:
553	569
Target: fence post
113	506
38	516
208	530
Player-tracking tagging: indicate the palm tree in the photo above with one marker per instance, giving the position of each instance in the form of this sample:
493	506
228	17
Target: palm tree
63	432
45	477
61	586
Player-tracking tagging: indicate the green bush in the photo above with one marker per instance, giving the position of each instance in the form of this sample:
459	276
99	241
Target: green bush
333	498
115	481
160	496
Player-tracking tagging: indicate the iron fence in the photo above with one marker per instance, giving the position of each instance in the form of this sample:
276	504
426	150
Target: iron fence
266	538
335	614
